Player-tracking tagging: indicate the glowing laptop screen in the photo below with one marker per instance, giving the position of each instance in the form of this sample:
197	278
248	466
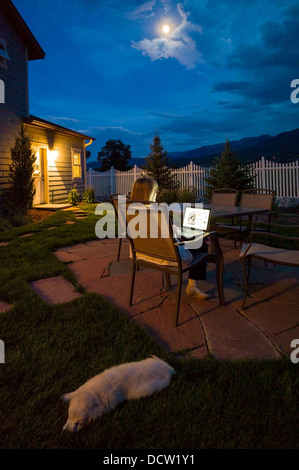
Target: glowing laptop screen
196	218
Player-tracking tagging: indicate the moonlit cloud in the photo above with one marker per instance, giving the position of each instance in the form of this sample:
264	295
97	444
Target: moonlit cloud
178	45
166	4
61	118
146	9
142	10
112	128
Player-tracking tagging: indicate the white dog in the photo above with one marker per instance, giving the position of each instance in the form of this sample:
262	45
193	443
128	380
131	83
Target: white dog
105	391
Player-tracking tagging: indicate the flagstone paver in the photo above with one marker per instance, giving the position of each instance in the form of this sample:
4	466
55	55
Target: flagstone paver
159	322
26	235
88	270
67	257
263	330
280	322
116	290
4	243
230	336
4	307
55	290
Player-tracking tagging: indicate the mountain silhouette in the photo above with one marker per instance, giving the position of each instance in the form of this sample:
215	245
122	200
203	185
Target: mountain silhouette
283	148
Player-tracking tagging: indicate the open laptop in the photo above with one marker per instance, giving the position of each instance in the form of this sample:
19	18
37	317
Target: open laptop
195	222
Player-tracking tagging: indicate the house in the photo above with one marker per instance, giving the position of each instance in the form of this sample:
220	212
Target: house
60	152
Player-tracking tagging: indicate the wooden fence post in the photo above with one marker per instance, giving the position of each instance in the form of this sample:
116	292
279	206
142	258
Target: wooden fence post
112	180
135	173
191	176
263	174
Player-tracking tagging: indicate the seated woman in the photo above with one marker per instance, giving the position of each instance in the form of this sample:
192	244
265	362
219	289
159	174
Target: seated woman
145	189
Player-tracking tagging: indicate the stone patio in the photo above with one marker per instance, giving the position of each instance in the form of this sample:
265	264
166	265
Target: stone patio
264	330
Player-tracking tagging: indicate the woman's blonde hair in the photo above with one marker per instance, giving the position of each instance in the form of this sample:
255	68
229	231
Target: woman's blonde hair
144	189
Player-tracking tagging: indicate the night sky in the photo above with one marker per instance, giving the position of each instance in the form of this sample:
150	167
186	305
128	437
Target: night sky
224	69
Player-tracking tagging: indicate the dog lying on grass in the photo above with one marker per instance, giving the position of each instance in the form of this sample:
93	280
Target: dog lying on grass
105	391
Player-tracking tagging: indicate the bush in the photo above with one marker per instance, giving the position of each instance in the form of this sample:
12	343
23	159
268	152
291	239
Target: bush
228	171
88	196
73	197
177	195
20	195
5	225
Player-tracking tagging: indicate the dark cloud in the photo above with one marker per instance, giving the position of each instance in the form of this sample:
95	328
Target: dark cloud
263	91
277	48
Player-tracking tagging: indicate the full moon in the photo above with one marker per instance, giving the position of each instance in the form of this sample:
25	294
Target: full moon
166	29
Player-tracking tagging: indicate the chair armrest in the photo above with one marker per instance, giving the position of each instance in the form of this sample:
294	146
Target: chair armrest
273	235
272	224
194	239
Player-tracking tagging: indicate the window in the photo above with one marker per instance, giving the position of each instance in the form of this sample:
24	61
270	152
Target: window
4	57
36	171
77	169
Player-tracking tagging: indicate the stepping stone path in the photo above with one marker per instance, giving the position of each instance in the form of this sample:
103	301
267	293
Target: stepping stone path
80	214
4	307
55	290
26	235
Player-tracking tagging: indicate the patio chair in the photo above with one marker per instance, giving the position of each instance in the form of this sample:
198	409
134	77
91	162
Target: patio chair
121	218
162	253
260	198
225	197
122	223
283	249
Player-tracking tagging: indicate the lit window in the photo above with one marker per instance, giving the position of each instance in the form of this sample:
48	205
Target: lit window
37	165
77	173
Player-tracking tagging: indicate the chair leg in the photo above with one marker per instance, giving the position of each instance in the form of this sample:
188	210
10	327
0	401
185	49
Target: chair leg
179	290
167	279
132	284
119	248
219	277
246	277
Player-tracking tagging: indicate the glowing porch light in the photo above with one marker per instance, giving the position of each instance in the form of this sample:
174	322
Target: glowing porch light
53	154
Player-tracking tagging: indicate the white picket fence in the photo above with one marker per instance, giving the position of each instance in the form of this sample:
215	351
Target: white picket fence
281	177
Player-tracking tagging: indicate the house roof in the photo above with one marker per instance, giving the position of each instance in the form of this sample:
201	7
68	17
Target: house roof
36	121
34	49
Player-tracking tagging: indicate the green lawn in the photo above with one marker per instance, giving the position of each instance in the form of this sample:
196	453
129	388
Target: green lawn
51	350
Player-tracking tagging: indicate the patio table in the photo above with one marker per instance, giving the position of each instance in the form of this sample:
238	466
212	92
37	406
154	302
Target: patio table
221	212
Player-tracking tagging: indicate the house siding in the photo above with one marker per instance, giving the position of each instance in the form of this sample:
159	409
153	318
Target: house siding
60	177
15	77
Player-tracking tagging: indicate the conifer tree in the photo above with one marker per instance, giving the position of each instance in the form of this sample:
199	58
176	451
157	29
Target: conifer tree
21	192
228	171
156	165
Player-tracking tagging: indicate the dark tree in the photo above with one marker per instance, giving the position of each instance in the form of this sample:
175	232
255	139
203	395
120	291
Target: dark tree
88	154
157	167
21	192
115	153
228	171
